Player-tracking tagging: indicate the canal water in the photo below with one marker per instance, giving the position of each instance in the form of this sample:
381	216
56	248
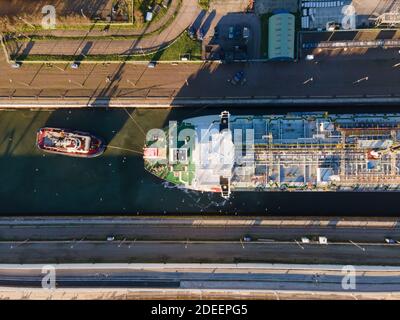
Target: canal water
34	183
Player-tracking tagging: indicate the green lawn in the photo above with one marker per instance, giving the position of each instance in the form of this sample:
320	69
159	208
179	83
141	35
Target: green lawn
183	45
205	4
264	35
137	10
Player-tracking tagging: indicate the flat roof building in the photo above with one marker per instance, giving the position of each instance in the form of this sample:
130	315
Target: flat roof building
281	36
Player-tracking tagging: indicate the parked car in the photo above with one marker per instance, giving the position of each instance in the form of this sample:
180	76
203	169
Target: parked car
390	241
152	64
247	238
305	240
16	65
74	65
238	78
246	33
216	33
310	57
192	32
322	240
230	33
200	34
110	238
332	26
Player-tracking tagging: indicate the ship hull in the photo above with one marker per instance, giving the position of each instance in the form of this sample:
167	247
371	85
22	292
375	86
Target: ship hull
95	148
300	152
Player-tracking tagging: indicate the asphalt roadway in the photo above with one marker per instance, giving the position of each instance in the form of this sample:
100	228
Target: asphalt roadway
205	277
367	75
168	232
81	251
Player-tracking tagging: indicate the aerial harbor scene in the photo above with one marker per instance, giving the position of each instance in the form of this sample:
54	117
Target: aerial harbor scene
199	150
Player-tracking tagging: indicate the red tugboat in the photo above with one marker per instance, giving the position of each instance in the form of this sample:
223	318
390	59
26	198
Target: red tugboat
69	143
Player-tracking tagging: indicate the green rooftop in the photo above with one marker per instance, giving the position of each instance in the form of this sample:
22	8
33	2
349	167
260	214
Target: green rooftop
281	36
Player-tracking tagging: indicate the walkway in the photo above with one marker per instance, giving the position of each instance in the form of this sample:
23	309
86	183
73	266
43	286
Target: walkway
187	14
122	31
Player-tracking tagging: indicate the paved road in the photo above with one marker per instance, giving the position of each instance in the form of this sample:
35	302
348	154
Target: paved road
331	77
184	232
200	281
256	277
196	252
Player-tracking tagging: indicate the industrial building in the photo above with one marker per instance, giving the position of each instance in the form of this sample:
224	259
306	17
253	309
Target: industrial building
281	36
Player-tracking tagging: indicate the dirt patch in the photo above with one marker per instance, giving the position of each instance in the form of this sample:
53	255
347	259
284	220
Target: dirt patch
89	8
229	6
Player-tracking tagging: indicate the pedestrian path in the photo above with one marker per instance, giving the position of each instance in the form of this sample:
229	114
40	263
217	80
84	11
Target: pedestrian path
187	14
121	31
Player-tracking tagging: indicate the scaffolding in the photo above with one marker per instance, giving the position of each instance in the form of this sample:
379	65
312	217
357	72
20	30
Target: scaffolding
343	154
390	19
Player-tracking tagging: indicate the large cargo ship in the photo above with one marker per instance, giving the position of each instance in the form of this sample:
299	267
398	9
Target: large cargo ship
313	151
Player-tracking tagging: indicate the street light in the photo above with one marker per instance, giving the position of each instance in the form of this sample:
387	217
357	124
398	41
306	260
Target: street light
299	244
19	244
131	243
28	23
74	82
359	247
308	80
61	69
120	244
23	242
72	245
130	82
360	80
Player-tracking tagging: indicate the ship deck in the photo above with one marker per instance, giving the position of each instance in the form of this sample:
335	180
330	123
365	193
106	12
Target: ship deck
313	151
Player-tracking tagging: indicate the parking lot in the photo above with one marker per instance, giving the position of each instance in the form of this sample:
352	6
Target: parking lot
233	36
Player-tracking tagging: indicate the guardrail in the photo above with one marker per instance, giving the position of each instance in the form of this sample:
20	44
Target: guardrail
148	94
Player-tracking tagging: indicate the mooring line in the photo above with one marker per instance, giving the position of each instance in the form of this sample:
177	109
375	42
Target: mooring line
125	149
130	116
